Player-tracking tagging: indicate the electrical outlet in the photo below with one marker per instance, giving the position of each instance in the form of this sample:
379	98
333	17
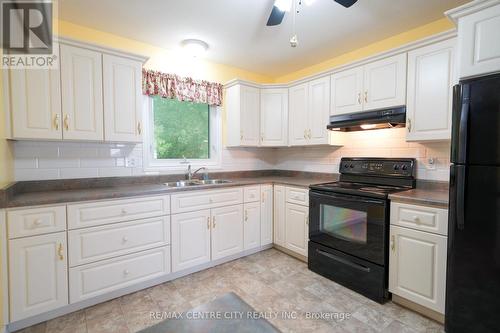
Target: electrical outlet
431	163
130	162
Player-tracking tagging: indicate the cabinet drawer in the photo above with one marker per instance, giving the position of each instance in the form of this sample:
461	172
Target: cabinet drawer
102	277
98	243
299	196
199	200
251	193
424	218
36	221
111	211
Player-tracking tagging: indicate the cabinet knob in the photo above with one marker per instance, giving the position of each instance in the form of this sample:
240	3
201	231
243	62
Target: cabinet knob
37	222
125	239
213	222
124	211
126	272
66	122
56	121
409	124
139	127
359	98
416	219
393	243
60	252
366	96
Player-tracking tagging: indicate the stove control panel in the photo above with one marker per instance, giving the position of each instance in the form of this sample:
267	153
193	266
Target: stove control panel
378	167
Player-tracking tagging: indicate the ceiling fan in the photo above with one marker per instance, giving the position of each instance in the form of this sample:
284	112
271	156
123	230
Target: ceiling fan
282	6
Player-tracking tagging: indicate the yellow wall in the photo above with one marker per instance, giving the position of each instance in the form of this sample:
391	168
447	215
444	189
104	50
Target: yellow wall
162	59
386	44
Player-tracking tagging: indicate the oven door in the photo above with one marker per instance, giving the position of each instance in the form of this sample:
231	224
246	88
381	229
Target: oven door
355	225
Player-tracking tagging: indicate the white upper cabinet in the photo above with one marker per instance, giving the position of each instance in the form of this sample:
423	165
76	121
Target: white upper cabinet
429	95
122	99
385	83
377	85
81	87
274	117
309	112
243	115
347	87
318	110
478	46
35	104
298	115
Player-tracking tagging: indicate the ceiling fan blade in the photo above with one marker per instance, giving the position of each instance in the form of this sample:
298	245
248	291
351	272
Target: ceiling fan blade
346	3
276	17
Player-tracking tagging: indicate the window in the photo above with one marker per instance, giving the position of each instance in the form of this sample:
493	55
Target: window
182	133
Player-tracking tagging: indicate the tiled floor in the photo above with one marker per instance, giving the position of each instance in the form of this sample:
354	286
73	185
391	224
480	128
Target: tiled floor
268	281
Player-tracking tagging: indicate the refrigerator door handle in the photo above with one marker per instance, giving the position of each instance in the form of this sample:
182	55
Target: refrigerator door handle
460	123
460	196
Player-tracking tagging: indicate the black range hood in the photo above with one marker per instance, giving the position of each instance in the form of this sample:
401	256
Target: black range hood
369	120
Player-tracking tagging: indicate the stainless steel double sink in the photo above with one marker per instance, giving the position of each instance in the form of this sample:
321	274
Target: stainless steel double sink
196	182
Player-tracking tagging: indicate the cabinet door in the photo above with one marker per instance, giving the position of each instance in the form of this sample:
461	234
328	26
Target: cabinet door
266	215
319	110
429	96
81	87
274	117
479	51
417	267
38	275
298	121
122	99
227	231
385	83
279	215
346	90
250	119
251	225
190	239
296	224
35	104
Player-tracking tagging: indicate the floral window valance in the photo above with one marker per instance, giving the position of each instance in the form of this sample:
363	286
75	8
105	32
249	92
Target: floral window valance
181	88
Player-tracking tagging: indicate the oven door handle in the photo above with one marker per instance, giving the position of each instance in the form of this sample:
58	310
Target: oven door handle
344	261
346	198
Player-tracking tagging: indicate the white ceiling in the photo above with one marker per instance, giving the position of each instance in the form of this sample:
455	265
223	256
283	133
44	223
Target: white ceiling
236	30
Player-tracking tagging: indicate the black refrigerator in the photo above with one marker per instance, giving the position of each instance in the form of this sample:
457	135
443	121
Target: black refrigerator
473	266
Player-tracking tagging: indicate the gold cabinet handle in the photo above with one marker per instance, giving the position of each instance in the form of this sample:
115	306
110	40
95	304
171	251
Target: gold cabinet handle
305	134
213	222
56	121
393	243
66	122
208	222
246	215
241	135
307	219
366	96
409	125
139	128
359	98
263	197
60	251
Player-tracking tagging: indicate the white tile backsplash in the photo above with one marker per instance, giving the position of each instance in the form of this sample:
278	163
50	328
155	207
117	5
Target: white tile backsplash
60	160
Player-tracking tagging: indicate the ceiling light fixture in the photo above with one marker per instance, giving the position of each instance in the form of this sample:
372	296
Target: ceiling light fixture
194	47
283	5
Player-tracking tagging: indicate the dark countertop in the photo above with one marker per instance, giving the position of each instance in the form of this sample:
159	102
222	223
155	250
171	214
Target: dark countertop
436	197
57	196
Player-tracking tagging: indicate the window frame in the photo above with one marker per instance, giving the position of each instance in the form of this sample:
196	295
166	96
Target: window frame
152	164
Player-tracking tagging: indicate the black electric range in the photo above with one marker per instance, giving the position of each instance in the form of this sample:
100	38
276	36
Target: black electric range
349	223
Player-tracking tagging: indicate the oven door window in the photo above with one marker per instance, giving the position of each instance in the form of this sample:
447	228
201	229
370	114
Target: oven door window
347	224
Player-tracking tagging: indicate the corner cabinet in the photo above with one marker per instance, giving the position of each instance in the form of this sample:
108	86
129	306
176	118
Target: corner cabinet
478	48
430	92
309	113
376	85
94	95
274	117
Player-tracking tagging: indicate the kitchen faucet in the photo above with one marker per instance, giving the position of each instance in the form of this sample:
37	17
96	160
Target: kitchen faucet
189	174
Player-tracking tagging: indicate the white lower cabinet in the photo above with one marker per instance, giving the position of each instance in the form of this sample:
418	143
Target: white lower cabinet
251	225
190	239
227	231
417	267
101	277
38	275
266	215
296	228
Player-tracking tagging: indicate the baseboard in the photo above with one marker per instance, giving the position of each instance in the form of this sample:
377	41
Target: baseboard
14	326
434	315
290	253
